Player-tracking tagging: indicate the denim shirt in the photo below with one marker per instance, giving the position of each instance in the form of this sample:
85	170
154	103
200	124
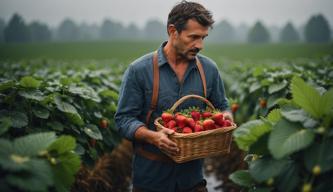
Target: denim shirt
134	103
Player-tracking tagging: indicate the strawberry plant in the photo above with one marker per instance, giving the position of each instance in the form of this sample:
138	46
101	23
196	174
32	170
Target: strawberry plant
38	162
290	148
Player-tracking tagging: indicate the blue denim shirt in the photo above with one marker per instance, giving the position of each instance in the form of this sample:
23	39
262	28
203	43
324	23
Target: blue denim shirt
134	102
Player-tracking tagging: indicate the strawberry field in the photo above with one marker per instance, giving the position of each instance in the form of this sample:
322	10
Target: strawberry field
56	120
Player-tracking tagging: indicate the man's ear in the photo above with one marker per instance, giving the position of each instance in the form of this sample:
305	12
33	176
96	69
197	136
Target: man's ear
172	31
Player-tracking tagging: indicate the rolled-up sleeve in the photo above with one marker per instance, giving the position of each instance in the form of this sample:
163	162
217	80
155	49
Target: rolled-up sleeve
130	105
218	96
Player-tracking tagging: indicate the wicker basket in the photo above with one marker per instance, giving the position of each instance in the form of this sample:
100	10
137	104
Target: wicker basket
199	144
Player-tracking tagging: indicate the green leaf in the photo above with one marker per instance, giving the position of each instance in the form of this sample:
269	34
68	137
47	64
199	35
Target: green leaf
242	178
294	115
319	154
55	125
327	102
306	97
264	169
5	124
64	172
274	116
18	119
288	179
109	94
29	82
62	144
6	85
287	137
260	147
277	87
248	133
85	92
260	189
254	87
32	94
32	144
64	106
38	179
41	112
75	118
92	131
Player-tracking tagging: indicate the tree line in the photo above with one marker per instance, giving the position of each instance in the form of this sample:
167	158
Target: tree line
316	29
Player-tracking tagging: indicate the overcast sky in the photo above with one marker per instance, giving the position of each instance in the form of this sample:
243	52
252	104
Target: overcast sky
271	12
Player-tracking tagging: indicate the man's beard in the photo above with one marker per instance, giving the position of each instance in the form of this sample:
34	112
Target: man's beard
191	54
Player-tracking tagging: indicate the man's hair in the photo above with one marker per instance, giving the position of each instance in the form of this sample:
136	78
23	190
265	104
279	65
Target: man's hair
183	11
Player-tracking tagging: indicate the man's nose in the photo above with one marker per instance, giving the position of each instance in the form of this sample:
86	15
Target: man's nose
199	44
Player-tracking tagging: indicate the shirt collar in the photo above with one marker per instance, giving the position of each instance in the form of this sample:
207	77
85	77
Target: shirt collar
163	60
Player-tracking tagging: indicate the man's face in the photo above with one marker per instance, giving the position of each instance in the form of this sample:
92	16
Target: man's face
190	40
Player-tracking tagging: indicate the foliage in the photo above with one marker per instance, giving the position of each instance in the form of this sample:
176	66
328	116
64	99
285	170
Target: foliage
38	162
290	149
289	34
68	101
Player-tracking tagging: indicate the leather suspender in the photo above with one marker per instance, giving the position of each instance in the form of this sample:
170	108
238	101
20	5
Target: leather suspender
156	81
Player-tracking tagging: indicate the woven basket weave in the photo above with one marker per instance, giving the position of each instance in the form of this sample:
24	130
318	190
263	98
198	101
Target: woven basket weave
199	144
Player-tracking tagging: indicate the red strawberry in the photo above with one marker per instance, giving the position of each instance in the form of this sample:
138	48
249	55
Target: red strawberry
104	123
218	118
167	116
171	124
181	120
187	130
227	123
198	127
206	114
195	115
263	103
208	124
190	122
234	107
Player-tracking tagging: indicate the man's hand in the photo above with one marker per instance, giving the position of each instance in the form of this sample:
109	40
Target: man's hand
228	115
163	142
160	139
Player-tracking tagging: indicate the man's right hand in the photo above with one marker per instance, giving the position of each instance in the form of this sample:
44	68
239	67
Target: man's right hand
163	142
160	139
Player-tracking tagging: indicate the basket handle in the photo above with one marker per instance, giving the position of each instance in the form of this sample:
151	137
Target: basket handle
181	100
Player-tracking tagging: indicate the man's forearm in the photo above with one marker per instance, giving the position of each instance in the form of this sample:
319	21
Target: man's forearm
144	134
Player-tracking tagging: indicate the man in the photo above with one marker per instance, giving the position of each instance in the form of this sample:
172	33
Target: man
188	25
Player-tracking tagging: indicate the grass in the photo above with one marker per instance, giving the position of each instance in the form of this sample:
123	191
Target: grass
126	51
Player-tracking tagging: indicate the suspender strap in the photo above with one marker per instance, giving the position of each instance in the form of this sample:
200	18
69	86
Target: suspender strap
156	82
202	75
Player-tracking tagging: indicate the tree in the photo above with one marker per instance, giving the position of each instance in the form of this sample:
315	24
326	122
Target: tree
39	32
133	32
111	30
2	28
16	30
258	34
155	30
289	33
68	31
317	29
223	32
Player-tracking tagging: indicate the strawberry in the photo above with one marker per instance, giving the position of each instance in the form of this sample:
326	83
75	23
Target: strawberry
206	114
218	118
198	127
166	116
103	123
187	130
190	122
195	114
227	123
171	124
234	107
181	120
262	103
208	124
